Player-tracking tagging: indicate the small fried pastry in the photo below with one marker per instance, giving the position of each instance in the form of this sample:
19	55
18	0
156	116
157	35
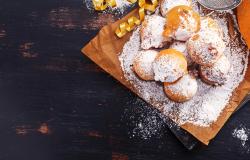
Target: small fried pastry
142	64
209	24
151	32
182	90
169	65
181	23
216	74
205	48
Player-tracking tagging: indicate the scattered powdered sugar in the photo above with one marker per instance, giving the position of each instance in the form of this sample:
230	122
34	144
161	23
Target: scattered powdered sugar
242	134
121	6
205	107
152	28
142	120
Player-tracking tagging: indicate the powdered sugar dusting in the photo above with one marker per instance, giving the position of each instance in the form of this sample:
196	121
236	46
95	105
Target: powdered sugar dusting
143	64
210	24
186	86
205	47
187	27
218	72
242	134
205	107
151	32
143	121
167	68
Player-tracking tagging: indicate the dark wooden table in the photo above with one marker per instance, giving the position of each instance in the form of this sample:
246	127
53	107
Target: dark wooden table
55	104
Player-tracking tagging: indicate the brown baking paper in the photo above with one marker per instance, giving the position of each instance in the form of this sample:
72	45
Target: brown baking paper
104	50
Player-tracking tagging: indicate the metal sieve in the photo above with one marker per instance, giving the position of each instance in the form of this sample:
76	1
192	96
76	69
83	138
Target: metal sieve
220	5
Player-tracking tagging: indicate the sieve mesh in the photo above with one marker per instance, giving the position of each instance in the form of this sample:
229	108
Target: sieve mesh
220	4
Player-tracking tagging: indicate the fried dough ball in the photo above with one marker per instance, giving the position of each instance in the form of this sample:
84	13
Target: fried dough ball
151	32
182	90
142	64
205	48
169	65
216	74
209	24
181	23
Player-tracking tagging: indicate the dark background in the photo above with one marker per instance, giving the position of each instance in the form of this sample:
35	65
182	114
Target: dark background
55	104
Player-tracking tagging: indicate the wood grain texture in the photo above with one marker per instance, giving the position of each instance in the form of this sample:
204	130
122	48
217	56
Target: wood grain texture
56	104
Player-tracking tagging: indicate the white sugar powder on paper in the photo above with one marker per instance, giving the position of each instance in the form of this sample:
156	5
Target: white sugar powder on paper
205	107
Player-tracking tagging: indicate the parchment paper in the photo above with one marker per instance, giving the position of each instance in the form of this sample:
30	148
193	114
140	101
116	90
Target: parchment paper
104	50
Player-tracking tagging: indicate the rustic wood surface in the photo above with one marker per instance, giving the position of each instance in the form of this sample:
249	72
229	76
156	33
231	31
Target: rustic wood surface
56	104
